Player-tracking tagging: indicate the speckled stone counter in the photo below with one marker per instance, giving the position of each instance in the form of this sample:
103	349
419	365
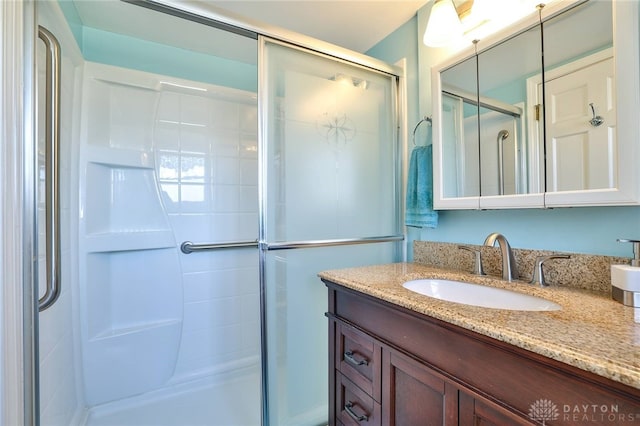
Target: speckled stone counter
582	271
591	331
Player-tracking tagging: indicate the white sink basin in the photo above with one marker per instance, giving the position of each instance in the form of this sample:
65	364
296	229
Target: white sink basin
480	295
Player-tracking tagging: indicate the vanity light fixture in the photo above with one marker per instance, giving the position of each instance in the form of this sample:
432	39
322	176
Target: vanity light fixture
452	21
444	25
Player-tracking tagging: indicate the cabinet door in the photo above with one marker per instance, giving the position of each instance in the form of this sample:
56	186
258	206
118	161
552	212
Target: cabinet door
477	412
413	394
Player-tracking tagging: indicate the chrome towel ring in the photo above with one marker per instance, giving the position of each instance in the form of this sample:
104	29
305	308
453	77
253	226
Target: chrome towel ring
424	119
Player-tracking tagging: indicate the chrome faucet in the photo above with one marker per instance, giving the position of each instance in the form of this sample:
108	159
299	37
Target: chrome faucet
509	268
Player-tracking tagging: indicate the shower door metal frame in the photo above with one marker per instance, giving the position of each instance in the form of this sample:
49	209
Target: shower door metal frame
18	267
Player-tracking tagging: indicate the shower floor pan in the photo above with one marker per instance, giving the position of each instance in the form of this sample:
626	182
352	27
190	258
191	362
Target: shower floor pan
210	402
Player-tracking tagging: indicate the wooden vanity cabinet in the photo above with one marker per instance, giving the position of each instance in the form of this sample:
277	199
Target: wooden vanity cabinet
403	368
372	375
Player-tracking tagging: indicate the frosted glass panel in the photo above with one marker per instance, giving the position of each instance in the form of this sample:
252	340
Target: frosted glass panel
331	173
297	328
331	154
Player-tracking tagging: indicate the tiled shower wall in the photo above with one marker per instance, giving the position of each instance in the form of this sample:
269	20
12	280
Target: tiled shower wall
207	166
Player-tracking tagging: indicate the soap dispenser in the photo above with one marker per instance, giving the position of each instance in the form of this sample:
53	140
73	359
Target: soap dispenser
625	279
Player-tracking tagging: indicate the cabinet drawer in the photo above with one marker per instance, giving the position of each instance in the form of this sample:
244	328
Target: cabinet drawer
358	357
353	405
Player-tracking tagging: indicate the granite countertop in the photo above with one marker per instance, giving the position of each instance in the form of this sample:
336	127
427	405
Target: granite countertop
591	331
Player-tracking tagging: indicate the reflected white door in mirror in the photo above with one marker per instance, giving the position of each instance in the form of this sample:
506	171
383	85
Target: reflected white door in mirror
514	130
581	144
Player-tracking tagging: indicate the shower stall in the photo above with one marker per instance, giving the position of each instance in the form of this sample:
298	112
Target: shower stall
194	174
483	153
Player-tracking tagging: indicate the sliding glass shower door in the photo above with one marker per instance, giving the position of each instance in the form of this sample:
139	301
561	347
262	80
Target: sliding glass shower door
158	146
329	200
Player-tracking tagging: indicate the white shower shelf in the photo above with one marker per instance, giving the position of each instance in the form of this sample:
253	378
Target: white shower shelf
129	241
120	157
122	198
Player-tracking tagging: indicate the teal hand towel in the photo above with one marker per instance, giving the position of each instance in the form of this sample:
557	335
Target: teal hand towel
419	208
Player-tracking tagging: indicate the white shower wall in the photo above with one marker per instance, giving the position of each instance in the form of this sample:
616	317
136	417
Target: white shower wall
164	161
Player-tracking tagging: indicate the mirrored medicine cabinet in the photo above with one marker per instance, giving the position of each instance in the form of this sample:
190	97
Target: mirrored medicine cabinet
544	114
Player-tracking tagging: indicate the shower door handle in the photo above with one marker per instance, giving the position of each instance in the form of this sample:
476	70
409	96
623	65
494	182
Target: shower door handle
287	245
188	247
52	173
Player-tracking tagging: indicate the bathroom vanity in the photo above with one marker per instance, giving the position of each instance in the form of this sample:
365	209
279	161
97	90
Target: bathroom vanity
400	358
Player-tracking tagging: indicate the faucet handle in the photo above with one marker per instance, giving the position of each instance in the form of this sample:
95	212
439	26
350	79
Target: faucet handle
538	273
477	268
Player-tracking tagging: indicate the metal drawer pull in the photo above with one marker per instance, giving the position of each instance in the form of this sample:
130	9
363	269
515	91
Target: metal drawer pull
350	357
348	407
52	184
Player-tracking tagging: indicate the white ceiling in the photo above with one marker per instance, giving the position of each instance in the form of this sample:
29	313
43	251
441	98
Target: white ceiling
355	24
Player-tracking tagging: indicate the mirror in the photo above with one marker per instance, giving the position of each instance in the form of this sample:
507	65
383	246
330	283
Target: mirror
459	118
490	135
580	100
516	128
509	131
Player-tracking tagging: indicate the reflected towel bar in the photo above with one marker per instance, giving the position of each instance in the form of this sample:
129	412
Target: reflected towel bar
485	102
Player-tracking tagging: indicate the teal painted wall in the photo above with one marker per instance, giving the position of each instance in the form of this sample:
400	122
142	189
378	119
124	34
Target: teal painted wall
402	44
128	52
73	19
580	229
